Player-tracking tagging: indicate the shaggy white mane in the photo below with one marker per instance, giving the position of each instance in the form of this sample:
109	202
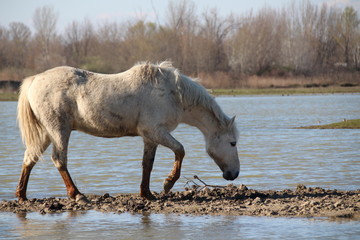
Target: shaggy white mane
191	93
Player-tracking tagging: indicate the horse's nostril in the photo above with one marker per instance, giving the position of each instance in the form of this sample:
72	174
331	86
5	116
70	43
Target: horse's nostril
228	175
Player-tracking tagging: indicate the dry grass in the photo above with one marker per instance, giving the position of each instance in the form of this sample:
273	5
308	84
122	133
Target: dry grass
224	80
346	124
285	91
8	96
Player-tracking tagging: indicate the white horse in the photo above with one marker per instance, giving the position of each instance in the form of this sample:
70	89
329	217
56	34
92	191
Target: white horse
147	100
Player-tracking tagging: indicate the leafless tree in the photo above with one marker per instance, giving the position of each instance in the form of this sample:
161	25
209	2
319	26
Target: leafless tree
211	55
20	37
4	51
301	38
78	40
348	27
256	45
182	24
44	20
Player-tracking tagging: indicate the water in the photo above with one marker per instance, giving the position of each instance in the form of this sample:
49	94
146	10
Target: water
95	225
273	155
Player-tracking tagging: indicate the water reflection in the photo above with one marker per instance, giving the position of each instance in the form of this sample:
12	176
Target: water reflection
92	224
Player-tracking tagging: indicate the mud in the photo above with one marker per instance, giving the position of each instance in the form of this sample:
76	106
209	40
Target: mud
229	200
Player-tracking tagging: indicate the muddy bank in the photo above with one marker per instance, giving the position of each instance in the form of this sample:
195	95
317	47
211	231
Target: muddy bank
230	200
9	86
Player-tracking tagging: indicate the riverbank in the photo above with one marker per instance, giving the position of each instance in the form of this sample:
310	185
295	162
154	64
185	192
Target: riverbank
285	91
13	96
229	200
9	96
345	124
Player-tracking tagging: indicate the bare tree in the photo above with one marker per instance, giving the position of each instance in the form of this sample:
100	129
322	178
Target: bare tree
78	39
45	20
20	37
139	41
325	44
4	43
302	38
255	47
210	48
110	38
348	26
297	51
182	23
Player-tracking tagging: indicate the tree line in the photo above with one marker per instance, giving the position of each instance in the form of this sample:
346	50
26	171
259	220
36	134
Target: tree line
299	39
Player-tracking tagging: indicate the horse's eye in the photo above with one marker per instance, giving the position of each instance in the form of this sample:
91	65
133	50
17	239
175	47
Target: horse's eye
233	144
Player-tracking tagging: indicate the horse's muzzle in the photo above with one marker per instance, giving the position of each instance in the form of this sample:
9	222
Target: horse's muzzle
230	175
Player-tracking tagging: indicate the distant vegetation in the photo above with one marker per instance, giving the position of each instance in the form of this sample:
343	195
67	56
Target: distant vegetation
300	45
345	124
283	91
13	95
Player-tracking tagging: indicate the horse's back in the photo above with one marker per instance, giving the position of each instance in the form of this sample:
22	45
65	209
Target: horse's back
108	105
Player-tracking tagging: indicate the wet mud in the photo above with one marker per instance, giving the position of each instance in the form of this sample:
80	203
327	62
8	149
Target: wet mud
230	200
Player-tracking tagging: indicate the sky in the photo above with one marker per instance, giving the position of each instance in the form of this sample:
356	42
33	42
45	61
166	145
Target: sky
99	11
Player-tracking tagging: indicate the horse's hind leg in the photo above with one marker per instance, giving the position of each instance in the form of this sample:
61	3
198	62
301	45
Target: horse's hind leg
60	141
30	159
147	164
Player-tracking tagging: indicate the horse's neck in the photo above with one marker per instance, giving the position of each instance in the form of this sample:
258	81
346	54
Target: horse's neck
201	118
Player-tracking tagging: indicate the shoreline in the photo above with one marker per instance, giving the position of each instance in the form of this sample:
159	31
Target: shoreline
285	91
226	201
345	124
13	96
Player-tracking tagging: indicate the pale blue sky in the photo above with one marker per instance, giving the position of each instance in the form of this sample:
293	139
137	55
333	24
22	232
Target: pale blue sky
116	10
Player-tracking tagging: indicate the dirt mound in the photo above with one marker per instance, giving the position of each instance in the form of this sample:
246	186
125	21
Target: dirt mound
229	200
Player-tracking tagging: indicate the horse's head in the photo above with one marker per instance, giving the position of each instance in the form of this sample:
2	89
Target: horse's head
221	146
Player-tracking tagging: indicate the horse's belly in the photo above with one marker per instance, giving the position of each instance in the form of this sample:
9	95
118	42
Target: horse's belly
108	132
105	125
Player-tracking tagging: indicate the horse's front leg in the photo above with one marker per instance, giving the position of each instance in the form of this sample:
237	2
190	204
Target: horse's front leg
147	165
163	137
176	171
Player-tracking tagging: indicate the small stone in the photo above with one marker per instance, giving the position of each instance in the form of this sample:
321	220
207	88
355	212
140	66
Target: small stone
188	193
300	187
257	200
243	187
338	204
267	201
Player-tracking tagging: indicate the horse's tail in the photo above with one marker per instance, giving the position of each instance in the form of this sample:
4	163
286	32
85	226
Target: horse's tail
32	132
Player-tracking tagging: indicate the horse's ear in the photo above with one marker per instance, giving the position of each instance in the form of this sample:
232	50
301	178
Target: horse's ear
231	122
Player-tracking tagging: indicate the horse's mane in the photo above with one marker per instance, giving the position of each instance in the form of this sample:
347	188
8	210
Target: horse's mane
191	93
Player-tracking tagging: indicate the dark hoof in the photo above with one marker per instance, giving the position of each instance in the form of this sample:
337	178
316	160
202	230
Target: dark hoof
168	185
22	200
81	199
148	196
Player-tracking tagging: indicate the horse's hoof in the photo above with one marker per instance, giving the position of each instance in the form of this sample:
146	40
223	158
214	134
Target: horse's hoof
22	200
148	196
81	199
168	186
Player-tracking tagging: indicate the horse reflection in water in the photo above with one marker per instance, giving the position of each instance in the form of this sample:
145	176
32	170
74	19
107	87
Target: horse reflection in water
147	100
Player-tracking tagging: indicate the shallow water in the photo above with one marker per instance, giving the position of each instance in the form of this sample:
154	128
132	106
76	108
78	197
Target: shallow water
273	155
95	225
